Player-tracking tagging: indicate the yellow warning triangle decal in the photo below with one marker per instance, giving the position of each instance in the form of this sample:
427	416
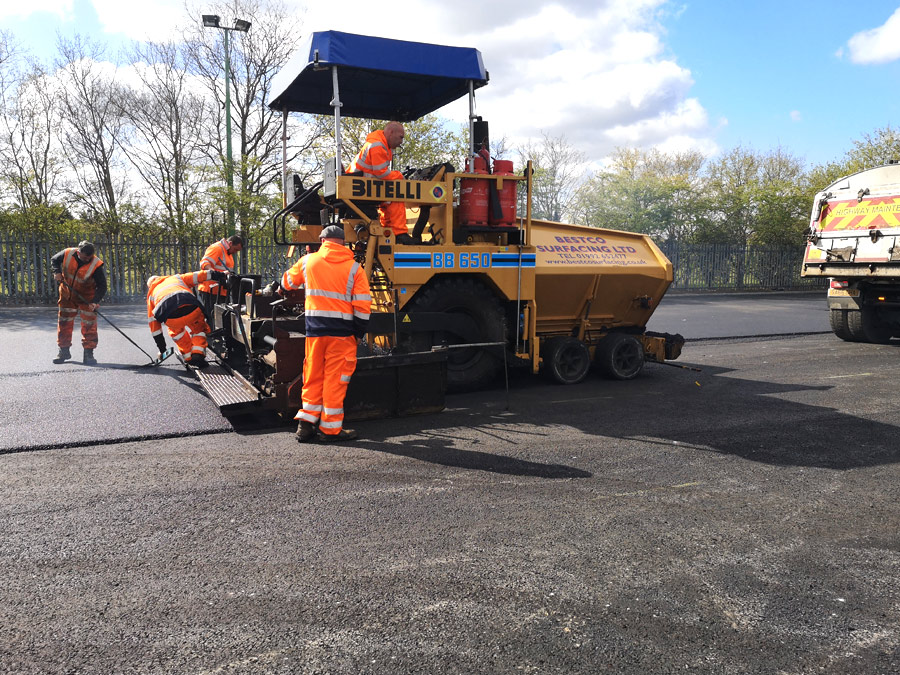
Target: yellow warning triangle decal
406	319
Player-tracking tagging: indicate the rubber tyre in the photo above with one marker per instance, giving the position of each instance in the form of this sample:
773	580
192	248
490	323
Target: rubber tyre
473	368
875	330
566	360
838	320
855	326
620	356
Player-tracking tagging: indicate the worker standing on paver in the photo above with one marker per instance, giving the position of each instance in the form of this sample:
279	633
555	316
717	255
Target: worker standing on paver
338	303
374	159
219	257
171	301
82	285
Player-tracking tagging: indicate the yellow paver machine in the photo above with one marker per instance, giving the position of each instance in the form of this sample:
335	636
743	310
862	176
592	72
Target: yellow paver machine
477	283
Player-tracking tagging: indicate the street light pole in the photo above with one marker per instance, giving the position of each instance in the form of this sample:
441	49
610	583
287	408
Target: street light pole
229	164
240	25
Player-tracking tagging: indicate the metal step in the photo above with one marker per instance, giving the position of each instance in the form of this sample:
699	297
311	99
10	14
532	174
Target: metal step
231	392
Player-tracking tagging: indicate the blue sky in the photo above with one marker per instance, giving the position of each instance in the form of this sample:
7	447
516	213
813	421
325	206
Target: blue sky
704	74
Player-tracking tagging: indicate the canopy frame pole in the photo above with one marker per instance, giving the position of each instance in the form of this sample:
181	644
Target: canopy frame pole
284	175
336	102
471	118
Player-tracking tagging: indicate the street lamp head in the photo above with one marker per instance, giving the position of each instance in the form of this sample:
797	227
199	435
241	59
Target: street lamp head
211	20
241	25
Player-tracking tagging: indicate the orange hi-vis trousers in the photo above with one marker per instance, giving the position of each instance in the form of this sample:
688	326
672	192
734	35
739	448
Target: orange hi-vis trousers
68	310
393	214
327	367
189	333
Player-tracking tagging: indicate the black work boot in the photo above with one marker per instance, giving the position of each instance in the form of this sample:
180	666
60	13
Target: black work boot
305	431
89	359
63	356
342	435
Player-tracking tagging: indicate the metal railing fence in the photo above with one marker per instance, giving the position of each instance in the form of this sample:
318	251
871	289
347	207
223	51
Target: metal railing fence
26	277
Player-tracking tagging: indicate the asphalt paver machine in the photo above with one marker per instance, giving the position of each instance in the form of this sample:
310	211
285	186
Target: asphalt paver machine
477	282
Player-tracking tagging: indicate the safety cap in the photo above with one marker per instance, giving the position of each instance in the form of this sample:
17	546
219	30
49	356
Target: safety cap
332	232
151	281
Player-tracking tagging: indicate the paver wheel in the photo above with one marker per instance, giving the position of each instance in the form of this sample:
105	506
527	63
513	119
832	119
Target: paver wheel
620	356
566	359
473	367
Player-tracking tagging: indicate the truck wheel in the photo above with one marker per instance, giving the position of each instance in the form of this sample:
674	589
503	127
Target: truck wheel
838	320
620	356
876	331
474	367
566	359
855	326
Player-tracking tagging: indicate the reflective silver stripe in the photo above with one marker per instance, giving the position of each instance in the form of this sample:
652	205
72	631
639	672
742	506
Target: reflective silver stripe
67	310
350	279
196	278
363	296
337	424
361	315
334	295
305	416
310	406
334	411
197	349
156	332
329	315
199	334
345	378
180	335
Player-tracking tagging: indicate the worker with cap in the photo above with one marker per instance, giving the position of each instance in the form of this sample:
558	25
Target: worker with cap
171	301
82	285
374	159
337	307
219	257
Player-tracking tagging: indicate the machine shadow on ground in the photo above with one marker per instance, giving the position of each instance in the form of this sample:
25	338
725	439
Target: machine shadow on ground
709	410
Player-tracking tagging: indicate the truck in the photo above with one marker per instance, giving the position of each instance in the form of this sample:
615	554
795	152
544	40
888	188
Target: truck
853	240
479	285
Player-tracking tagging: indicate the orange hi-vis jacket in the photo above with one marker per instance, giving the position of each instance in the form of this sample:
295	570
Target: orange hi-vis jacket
375	159
168	295
338	300
219	259
79	278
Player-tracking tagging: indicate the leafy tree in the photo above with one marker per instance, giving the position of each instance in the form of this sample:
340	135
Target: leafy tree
645	191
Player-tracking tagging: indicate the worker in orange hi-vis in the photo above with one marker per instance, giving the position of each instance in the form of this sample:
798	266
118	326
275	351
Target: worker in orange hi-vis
171	301
374	159
82	284
219	257
338	303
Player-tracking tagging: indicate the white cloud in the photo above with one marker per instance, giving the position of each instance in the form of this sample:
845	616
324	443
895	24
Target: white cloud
877	45
594	71
796	116
587	70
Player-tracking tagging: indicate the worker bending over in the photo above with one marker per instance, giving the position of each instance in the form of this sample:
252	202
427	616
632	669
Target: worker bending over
219	257
171	301
337	314
374	159
82	285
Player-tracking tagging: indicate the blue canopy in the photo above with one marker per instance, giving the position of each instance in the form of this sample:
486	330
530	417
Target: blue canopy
377	77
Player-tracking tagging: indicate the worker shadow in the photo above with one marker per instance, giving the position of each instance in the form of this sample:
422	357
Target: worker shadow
437	449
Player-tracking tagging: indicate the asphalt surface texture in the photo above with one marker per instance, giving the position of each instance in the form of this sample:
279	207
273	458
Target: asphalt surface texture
736	515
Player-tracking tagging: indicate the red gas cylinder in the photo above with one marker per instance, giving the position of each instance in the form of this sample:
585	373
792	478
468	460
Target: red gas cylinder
507	194
473	194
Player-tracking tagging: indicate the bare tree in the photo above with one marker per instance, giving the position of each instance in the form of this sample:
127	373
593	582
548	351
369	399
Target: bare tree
557	167
92	130
164	120
29	157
